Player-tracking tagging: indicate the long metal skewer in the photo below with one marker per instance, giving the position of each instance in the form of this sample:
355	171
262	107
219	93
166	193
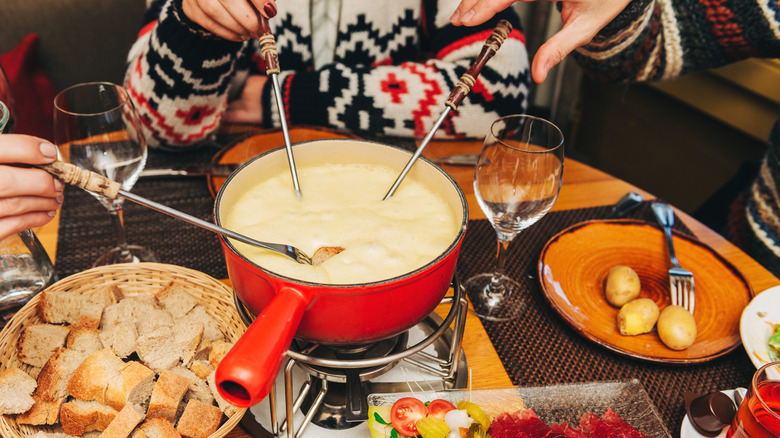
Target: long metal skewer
462	88
99	184
271	61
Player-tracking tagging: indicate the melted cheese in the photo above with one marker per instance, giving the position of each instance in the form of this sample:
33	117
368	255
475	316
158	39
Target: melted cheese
342	206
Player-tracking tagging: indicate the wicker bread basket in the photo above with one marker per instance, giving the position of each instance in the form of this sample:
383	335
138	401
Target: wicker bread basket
132	279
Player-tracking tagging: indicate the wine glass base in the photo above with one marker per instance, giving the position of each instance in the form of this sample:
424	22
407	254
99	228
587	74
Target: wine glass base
139	253
489	302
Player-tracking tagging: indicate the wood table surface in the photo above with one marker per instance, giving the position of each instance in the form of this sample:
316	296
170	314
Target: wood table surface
583	186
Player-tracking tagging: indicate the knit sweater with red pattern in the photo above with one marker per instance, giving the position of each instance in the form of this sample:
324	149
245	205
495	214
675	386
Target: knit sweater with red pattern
395	62
662	39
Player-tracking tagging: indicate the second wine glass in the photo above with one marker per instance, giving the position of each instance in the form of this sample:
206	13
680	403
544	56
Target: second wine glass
516	182
97	128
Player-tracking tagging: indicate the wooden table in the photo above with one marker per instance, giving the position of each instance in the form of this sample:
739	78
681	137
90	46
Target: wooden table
583	186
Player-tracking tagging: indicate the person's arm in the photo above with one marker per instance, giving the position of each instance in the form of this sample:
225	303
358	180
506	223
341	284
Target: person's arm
404	96
29	197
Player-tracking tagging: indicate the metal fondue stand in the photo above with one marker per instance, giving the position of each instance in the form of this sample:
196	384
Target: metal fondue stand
314	366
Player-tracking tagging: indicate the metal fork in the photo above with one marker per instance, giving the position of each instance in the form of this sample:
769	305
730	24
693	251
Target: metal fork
680	279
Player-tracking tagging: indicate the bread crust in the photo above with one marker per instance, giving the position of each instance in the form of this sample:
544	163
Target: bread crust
168	392
199	420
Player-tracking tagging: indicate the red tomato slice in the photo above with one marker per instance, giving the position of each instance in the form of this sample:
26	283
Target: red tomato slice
405	413
439	407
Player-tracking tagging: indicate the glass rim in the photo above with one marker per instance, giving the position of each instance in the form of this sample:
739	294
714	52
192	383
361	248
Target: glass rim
754	384
5	115
123	94
547	150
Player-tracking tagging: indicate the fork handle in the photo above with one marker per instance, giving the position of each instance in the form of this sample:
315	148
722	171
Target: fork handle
665	215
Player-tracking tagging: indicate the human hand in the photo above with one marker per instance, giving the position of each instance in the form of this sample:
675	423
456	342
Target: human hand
248	108
234	20
29	197
582	20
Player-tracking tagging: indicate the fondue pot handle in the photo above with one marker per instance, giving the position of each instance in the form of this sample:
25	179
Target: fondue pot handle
248	371
268	47
86	179
467	80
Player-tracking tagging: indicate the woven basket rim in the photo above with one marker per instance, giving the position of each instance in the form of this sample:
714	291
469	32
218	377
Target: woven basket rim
134	276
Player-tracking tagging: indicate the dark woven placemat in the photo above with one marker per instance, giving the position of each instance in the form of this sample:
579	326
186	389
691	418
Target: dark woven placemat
540	349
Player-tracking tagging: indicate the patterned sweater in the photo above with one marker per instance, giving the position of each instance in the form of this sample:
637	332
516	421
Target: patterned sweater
395	63
661	39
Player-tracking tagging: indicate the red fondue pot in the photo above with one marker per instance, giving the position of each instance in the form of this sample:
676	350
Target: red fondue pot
324	313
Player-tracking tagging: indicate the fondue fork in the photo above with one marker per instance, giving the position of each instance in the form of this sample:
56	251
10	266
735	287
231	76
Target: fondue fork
462	88
271	61
99	184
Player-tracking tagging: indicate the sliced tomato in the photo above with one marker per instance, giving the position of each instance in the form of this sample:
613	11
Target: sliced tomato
405	413
439	407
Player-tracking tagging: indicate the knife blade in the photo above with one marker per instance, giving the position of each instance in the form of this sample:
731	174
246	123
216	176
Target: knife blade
457	160
218	170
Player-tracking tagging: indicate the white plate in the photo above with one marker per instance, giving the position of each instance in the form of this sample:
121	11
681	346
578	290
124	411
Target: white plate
687	430
755	325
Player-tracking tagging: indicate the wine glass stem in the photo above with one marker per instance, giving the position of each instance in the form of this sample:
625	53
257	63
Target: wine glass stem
117	220
501	257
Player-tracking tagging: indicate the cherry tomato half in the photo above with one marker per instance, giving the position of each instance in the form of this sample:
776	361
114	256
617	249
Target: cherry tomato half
405	413
439	407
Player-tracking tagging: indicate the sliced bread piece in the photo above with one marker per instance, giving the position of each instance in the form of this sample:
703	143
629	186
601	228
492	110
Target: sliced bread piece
158	349
16	388
94	303
55	375
218	351
90	380
153	320
124	422
157	428
58	307
199	420
85	339
224	406
42	412
42	434
175	299
211	330
121	337
198	390
78	417
187	335
201	368
168	392
38	342
134	385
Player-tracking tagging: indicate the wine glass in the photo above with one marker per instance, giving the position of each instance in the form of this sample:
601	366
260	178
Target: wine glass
516	182
97	128
7	97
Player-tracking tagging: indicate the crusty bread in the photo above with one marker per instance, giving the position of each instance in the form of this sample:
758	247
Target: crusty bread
42	434
124	422
16	388
38	342
201	368
224	406
85	339
58	307
91	378
121	338
152	320
93	305
42	412
168	392
55	375
198	389
175	299
129	308
211	329
157	428
218	351
198	420
78	416
134	385
158	349
187	335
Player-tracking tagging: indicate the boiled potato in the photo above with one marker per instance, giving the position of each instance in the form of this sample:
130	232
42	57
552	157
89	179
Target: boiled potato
637	316
676	328
622	285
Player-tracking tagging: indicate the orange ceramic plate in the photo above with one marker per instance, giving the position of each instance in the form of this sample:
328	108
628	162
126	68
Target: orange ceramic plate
575	262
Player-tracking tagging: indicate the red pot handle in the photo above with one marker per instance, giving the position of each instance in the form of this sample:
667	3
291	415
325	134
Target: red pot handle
247	373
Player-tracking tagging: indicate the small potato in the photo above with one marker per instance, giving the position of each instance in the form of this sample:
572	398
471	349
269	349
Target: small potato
622	285
676	328
637	316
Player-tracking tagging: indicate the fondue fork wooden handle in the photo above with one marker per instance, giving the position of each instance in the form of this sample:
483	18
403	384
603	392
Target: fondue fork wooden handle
467	80
271	61
462	88
85	179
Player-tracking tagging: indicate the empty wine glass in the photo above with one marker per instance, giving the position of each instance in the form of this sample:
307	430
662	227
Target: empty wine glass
516	182
97	128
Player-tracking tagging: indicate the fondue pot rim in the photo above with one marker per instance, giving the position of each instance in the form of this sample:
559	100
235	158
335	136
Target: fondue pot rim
447	251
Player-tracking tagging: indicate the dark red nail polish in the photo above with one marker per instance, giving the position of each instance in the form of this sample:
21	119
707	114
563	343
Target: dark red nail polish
270	10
